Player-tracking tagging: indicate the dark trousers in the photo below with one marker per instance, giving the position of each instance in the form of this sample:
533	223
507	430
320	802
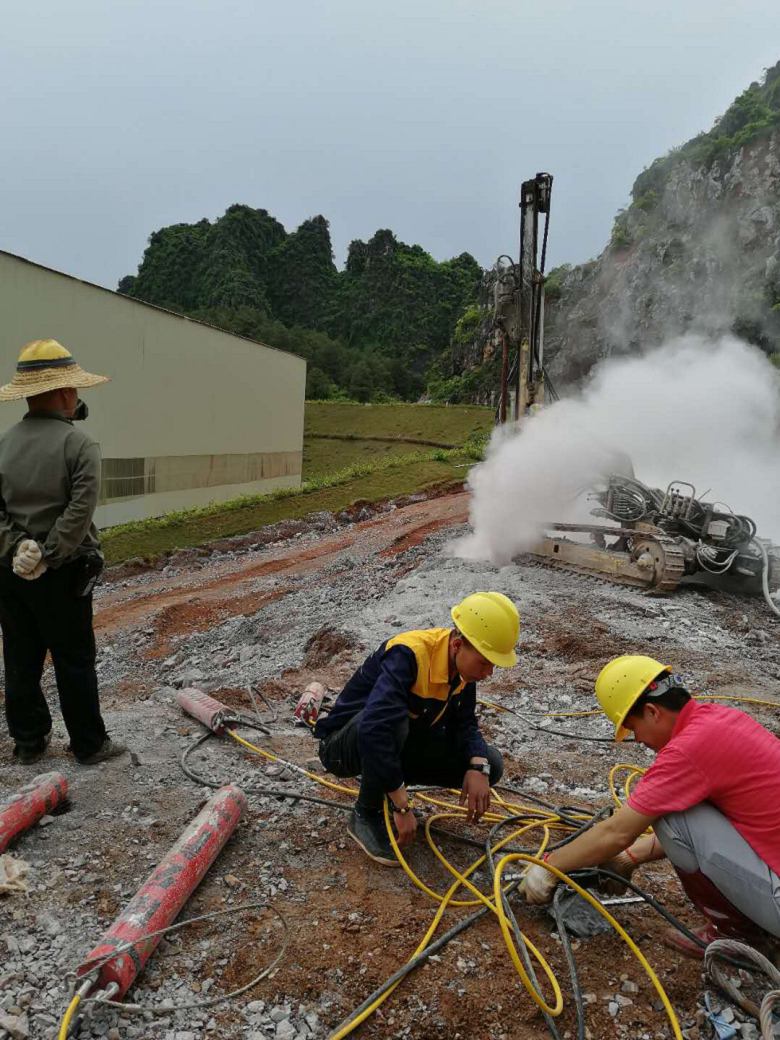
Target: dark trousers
42	615
428	757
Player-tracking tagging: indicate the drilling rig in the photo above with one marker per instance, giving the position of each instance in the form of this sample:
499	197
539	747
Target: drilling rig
518	307
652	538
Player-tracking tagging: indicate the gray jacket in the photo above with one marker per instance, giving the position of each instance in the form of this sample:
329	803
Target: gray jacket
49	487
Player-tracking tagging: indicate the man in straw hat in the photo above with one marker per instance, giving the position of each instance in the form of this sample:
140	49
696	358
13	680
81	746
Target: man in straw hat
50	555
711	797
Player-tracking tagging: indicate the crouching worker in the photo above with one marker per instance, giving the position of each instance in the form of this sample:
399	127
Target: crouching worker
712	797
407	716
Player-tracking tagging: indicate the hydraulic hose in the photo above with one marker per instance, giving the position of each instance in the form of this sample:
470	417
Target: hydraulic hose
765	578
82	995
557	825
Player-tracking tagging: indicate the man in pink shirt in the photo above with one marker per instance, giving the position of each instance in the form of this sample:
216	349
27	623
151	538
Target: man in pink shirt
712	798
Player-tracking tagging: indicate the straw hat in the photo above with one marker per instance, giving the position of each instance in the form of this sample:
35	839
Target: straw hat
44	364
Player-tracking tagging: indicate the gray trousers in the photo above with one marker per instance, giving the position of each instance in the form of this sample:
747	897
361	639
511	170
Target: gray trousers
703	839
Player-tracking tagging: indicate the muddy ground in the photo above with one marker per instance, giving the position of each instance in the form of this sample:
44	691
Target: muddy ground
252	611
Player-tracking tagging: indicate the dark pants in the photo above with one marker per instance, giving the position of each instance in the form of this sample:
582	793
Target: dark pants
428	757
42	615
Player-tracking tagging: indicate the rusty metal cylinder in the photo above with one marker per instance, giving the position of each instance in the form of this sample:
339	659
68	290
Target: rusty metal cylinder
160	899
22	809
203	708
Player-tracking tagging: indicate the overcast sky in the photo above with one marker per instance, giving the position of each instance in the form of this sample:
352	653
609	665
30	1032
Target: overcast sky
121	116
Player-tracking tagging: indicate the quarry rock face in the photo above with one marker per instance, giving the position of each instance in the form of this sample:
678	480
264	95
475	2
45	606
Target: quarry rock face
697	252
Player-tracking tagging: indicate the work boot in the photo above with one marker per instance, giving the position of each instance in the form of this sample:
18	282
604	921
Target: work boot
26	754
687	947
757	938
108	749
723	920
369	831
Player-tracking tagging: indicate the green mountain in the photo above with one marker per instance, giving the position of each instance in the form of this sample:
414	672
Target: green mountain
371	330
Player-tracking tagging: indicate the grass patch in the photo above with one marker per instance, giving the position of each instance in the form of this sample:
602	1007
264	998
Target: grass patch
322	456
351	452
444	424
374	481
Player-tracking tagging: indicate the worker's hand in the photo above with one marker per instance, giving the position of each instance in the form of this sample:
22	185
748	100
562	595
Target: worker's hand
27	557
475	794
36	572
538	885
620	864
406	826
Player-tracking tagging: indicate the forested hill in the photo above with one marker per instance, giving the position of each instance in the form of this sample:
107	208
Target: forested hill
382	327
697	249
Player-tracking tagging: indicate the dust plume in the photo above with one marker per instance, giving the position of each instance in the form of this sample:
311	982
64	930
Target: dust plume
698	409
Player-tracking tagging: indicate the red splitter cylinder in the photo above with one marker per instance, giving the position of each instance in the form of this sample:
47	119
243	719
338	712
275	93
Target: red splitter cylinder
159	900
203	708
22	809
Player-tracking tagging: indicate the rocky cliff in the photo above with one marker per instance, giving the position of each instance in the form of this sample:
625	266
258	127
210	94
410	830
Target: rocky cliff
698	249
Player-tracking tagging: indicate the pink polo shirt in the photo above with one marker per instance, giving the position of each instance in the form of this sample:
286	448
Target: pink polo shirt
722	756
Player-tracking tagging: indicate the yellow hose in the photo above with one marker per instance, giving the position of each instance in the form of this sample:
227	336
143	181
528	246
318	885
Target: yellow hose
68	1017
445	902
507	932
275	758
634	771
734	697
543	819
705	697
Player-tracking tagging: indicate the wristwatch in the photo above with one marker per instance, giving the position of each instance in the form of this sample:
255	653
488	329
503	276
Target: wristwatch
481	767
401	812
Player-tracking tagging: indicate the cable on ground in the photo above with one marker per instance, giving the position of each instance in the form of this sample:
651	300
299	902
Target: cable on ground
81	996
730	948
568	822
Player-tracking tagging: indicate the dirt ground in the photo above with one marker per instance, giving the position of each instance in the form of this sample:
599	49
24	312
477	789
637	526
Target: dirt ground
274	610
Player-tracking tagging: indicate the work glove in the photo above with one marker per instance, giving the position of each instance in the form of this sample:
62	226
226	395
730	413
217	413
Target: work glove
27	557
538	885
36	572
621	864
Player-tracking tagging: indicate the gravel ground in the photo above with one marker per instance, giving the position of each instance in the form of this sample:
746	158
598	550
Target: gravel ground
274	610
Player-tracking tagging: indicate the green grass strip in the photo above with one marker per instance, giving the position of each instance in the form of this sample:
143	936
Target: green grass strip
373	481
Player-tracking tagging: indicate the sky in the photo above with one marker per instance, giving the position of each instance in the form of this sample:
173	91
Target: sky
423	116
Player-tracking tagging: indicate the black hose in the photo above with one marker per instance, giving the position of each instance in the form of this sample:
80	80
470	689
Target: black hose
509	913
409	967
274	792
571	961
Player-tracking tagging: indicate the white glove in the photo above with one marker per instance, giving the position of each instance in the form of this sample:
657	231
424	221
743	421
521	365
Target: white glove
27	557
36	572
538	885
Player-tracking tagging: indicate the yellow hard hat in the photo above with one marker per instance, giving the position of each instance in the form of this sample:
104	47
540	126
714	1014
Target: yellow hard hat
622	682
490	622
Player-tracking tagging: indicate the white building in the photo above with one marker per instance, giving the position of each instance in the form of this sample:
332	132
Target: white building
191	415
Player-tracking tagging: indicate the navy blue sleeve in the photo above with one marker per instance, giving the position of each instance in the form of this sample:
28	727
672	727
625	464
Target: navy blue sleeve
387	706
470	740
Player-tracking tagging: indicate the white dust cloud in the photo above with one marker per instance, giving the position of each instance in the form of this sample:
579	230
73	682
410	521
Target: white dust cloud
701	410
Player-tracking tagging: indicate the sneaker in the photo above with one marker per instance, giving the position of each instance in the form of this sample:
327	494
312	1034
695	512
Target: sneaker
371	835
27	754
108	749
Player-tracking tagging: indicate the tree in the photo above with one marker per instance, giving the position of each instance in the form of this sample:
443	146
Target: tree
319	387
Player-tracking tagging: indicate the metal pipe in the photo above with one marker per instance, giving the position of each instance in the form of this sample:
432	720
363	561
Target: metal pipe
23	808
212	713
162	896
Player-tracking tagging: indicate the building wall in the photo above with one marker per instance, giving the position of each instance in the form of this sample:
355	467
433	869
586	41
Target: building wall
191	414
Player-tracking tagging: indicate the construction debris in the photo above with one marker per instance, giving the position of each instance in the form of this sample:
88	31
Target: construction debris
13	872
242	616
